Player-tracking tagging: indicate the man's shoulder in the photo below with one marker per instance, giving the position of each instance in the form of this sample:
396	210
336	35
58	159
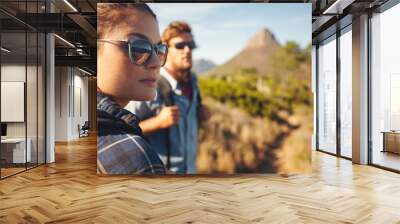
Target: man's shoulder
195	81
193	76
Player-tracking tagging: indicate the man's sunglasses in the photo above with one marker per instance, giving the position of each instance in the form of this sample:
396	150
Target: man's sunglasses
140	50
181	45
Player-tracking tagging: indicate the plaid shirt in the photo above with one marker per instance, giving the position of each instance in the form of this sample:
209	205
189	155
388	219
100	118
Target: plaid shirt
121	148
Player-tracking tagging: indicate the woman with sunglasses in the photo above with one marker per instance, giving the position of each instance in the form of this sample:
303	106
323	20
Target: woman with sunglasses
129	55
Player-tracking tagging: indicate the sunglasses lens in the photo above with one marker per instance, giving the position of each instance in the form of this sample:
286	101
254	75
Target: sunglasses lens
182	45
140	51
192	45
162	52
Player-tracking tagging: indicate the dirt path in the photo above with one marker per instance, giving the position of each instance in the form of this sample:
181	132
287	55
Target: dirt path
268	165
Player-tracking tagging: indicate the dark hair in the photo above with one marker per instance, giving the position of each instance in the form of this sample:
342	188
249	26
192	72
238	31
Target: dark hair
108	14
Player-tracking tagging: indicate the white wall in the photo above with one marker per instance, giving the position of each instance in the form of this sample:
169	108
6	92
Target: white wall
80	104
13	73
71	94
61	103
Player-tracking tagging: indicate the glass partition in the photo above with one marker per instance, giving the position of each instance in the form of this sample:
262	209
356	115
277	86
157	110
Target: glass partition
346	93
327	95
385	89
22	90
13	103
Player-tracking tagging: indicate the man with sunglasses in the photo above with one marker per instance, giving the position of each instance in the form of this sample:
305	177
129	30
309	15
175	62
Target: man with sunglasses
170	122
129	56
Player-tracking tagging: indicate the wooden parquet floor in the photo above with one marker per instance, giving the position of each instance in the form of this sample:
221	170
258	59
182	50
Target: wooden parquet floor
69	191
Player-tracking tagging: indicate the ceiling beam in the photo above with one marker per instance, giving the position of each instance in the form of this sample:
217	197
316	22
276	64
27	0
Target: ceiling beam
82	61
84	24
338	6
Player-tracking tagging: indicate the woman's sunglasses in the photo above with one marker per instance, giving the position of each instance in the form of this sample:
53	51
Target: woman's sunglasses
140	50
181	45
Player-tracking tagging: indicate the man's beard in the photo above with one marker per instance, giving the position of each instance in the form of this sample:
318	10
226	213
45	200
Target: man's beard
185	74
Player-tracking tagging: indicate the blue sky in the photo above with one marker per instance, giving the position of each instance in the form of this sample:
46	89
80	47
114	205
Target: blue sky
221	30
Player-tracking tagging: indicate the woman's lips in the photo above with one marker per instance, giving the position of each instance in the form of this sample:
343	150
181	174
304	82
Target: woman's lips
149	82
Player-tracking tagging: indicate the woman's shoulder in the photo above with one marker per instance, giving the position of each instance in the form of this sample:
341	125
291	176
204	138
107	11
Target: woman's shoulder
111	125
128	154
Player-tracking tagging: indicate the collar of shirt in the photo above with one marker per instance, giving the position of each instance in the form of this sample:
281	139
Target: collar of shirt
172	81
106	104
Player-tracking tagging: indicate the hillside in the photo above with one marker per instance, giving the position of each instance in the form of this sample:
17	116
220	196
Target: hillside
201	66
261	112
256	54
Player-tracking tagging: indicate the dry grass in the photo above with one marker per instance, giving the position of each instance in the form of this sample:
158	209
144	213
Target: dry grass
234	142
295	154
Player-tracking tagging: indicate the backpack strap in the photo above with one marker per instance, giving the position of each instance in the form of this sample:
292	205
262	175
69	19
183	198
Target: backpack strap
199	104
165	89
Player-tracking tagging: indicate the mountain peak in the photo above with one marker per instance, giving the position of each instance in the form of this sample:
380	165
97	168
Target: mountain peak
257	54
263	38
201	66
